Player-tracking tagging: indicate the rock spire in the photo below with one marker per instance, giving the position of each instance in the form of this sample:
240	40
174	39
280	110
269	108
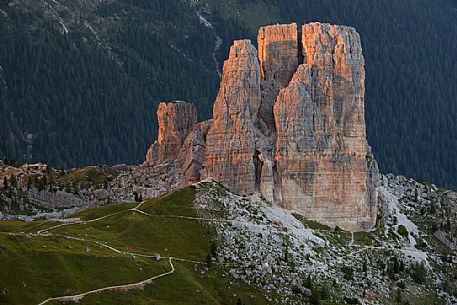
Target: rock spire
176	121
288	123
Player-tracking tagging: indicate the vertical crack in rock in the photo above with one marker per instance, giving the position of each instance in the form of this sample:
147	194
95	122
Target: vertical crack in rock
300	47
288	122
278	49
258	165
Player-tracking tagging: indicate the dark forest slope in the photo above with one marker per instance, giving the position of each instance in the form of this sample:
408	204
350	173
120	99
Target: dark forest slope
88	96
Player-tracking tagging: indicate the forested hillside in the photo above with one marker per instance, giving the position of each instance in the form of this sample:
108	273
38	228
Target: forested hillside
83	77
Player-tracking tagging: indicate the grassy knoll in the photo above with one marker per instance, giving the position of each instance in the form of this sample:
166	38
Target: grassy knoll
188	285
88	176
103	211
135	232
34	268
176	203
138	233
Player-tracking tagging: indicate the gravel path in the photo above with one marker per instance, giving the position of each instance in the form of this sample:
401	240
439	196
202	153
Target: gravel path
127	287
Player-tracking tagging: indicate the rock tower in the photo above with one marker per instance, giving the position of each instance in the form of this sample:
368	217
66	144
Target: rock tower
288	123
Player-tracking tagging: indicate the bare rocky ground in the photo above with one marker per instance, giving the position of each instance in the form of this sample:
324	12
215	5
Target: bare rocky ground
37	191
400	261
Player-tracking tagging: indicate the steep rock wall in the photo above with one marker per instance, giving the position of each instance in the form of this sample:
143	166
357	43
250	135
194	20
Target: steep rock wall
321	144
288	123
176	121
231	141
279	59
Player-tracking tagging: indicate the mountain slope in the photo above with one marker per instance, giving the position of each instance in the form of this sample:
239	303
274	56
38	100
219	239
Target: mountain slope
205	245
83	77
116	246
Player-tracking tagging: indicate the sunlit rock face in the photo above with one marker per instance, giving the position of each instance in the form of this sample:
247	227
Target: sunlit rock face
288	123
322	156
176	121
231	141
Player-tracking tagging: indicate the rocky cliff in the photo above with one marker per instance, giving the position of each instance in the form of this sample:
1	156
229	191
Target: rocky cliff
288	123
176	121
322	155
231	140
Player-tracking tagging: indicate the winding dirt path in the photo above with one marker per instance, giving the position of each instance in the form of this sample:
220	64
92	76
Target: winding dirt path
127	287
140	285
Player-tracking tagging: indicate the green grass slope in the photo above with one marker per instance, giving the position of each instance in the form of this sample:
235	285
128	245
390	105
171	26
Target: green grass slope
75	258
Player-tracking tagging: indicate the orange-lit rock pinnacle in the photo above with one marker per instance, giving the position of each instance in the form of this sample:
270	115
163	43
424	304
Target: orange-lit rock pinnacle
288	123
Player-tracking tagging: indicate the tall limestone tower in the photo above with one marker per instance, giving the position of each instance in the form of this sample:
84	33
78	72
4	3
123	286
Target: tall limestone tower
288	123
